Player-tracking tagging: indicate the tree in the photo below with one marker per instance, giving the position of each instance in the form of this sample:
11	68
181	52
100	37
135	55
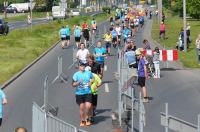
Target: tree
194	8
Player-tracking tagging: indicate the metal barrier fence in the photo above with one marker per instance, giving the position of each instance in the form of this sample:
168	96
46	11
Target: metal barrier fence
127	97
44	120
176	124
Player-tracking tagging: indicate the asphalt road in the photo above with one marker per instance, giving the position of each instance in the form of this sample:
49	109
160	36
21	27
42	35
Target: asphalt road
177	86
23	24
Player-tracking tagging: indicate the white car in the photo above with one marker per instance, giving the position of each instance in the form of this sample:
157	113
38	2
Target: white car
58	13
75	12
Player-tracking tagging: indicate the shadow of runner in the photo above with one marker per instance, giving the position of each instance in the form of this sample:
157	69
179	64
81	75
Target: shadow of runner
100	111
98	119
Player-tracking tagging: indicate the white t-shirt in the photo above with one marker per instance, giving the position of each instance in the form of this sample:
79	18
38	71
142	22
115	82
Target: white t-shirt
118	29
82	55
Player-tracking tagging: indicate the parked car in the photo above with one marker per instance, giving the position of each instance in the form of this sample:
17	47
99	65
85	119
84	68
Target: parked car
4	28
11	9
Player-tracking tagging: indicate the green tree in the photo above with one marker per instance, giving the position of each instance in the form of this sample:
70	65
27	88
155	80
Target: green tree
194	8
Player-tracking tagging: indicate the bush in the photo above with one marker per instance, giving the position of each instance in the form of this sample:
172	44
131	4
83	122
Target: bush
106	10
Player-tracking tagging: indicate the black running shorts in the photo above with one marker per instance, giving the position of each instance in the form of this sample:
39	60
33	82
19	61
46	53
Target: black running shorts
141	81
83	98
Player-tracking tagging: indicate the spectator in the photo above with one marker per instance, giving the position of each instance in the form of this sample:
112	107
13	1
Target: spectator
162	30
21	129
156	57
188	35
181	40
198	48
142	75
3	101
146	45
130	57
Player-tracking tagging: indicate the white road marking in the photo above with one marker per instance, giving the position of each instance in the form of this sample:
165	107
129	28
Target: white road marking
105	68
107	88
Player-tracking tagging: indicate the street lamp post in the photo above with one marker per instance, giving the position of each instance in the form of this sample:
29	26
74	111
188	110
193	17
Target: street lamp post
5	4
184	25
31	10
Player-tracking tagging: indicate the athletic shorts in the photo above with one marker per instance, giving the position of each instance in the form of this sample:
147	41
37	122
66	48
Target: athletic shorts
77	39
0	121
141	81
83	98
114	40
101	64
161	32
67	37
94	99
86	34
108	44
63	38
119	36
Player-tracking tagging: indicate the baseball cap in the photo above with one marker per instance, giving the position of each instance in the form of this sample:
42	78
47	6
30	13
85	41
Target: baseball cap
82	64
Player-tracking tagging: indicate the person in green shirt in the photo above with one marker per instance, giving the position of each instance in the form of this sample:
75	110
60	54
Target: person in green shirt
94	89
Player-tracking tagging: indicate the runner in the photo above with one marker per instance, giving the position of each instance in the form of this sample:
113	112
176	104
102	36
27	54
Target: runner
130	57
112	23
94	88
95	67
63	36
142	74
108	38
100	54
82	81
77	35
136	22
94	28
68	32
114	37
3	101
86	34
126	33
119	33
21	129
82	54
146	45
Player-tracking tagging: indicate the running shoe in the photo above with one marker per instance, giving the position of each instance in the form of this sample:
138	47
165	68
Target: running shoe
88	123
82	123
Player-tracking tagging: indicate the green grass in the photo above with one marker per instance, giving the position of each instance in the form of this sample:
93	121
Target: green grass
22	46
173	28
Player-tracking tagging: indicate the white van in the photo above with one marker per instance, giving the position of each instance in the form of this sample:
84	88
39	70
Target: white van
58	13
20	7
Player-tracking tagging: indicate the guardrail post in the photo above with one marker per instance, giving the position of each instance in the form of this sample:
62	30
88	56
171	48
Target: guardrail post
140	114
132	109
167	116
119	89
198	127
46	87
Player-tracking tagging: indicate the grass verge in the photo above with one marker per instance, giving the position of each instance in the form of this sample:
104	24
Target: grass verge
22	46
173	28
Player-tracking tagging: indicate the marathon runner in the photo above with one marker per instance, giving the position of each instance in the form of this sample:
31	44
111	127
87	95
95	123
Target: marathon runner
86	34
126	33
3	101
82	54
62	33
94	89
77	35
114	37
119	33
68	32
108	38
82	81
100	54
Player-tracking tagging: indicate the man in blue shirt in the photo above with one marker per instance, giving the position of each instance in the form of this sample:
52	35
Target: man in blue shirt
68	32
126	32
3	101
114	37
62	33
142	74
100	54
77	35
82	81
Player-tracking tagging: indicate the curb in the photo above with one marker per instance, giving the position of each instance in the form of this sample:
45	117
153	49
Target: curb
27	67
